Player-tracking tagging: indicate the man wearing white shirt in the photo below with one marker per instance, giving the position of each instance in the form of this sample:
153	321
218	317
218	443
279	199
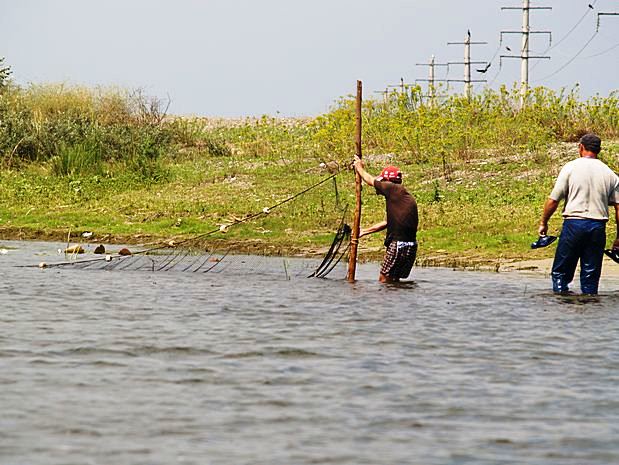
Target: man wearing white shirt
588	187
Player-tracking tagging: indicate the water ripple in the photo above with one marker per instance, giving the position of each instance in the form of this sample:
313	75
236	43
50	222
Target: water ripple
160	368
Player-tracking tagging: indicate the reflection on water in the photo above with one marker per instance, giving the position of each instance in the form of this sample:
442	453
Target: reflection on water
130	367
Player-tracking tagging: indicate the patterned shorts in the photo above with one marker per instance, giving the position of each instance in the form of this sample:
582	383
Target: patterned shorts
399	259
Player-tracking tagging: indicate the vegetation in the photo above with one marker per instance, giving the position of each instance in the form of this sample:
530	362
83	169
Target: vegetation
113	162
5	73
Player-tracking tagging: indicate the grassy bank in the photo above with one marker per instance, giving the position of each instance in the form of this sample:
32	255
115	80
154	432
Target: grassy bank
113	162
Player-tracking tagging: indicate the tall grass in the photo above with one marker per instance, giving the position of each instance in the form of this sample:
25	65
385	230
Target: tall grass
408	125
79	130
77	159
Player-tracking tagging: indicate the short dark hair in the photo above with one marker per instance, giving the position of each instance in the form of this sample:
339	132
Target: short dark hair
591	142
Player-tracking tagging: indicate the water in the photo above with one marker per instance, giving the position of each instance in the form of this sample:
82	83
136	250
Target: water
123	367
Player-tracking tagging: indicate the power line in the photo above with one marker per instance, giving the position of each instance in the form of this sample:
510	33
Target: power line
496	52
597	30
582	18
570	60
572	29
602	52
497	73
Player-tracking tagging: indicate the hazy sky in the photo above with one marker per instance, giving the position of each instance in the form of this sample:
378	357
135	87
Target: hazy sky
252	57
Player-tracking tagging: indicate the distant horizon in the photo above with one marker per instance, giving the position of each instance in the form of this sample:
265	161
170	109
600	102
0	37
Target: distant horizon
238	58
277	115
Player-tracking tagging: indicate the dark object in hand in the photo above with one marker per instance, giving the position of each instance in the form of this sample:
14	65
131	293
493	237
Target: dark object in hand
543	241
613	254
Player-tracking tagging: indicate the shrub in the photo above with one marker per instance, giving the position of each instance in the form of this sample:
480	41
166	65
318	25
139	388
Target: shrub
77	129
78	159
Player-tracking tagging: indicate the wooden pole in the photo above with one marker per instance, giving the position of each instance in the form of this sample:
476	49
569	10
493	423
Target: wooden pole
356	227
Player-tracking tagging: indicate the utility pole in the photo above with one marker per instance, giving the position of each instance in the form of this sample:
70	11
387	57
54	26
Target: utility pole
524	50
401	85
385	94
468	82
597	28
431	78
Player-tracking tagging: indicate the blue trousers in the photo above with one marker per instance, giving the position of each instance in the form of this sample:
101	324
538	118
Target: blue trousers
582	240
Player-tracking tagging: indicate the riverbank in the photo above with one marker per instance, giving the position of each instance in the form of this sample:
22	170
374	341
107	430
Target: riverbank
540	266
480	171
480	213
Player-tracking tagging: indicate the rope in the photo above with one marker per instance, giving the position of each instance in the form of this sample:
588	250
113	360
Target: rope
265	211
255	215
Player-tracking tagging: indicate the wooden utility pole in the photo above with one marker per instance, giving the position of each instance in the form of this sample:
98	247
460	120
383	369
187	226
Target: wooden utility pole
356	227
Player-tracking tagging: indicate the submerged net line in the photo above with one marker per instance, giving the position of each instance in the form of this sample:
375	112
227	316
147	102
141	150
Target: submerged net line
333	256
182	258
214	262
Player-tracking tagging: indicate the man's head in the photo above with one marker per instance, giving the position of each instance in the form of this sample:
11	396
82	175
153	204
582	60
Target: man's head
392	174
590	143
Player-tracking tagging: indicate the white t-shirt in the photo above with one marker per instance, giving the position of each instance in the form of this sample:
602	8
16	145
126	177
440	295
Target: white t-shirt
588	187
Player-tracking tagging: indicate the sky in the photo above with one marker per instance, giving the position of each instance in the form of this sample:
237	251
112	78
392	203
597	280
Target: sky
235	58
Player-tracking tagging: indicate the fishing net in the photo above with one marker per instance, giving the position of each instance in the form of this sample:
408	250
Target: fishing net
191	256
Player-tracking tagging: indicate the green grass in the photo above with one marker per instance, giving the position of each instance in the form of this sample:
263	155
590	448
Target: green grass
79	159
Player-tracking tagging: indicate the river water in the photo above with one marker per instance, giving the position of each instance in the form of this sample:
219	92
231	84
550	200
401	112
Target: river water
135	367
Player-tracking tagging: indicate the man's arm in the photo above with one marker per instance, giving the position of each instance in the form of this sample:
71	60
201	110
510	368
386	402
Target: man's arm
616	243
549	208
367	177
374	228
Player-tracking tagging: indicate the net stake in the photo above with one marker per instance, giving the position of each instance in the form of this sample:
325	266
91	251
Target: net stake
354	240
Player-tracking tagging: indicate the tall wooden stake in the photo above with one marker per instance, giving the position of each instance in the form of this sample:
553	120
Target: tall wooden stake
354	240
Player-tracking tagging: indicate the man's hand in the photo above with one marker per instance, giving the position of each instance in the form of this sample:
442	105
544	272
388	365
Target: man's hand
358	163
360	168
549	208
616	244
374	228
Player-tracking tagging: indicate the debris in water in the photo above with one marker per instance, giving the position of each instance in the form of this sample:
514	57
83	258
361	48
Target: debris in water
74	249
99	250
42	265
124	251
